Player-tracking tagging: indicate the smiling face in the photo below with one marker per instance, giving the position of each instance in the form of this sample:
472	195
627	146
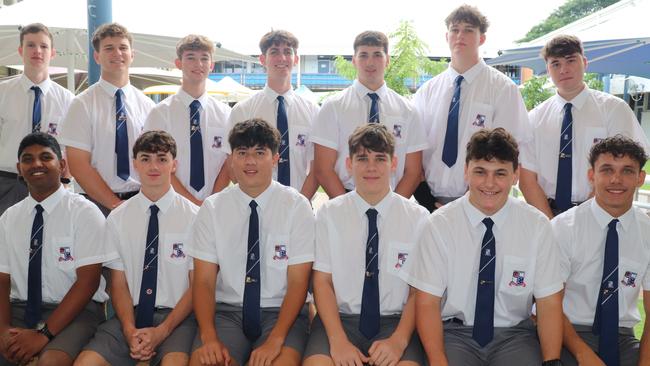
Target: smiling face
36	51
489	183
114	56
567	73
370	63
279	60
195	65
253	168
614	181
41	169
154	169
464	40
371	172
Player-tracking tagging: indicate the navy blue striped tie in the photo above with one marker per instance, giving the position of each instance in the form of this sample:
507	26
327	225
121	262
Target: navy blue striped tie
606	319
251	315
36	110
197	177
564	168
483	331
121	137
284	166
34	293
373	116
147	302
369	318
450	147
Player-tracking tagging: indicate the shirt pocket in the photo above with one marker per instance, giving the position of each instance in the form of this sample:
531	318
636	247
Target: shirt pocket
594	135
480	116
172	248
397	126
217	140
277	251
51	125
299	142
398	254
630	274
64	253
515	286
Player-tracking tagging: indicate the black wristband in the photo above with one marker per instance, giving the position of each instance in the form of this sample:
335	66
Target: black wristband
555	362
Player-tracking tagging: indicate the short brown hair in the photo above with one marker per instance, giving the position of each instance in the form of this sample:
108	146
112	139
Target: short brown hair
110	30
278	37
619	146
468	14
371	136
35	28
371	38
562	46
487	144
153	142
194	42
254	132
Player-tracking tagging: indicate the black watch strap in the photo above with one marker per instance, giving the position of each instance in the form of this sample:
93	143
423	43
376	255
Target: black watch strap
46	332
555	362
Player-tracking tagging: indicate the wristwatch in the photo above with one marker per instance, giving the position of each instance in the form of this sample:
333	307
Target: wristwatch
555	362
42	328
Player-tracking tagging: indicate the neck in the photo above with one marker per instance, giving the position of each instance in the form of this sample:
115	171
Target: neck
373	198
279	86
37	76
154	193
614	211
570	94
194	90
461	65
45	193
254	192
373	86
116	80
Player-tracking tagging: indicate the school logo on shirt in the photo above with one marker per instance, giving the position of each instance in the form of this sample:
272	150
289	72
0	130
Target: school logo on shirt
65	254
177	250
479	121
301	139
51	128
518	279
397	131
629	279
401	259
280	252
216	144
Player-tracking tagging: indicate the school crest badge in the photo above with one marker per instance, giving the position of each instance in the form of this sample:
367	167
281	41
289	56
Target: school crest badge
51	128
401	260
479	121
65	254
397	131
301	140
629	279
518	279
217	142
177	250
280	252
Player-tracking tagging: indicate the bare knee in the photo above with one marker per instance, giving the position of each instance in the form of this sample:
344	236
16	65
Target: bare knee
288	356
54	358
318	360
90	358
175	359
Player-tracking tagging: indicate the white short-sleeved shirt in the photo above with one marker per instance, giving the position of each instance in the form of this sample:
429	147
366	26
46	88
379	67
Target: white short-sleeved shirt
596	115
286	234
16	108
341	114
71	227
488	99
581	233
447	260
173	115
341	238
126	237
89	125
300	116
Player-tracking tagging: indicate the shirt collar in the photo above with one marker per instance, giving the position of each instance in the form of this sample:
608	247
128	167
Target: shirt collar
163	203
45	85
187	99
362	206
476	217
272	95
362	91
110	89
577	102
470	74
262	199
48	204
603	218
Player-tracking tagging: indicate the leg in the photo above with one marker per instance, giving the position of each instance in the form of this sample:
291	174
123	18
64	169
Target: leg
54	358
175	359
287	357
517	344
460	348
90	358
318	360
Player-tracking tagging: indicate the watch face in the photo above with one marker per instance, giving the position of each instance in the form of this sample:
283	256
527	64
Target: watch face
40	325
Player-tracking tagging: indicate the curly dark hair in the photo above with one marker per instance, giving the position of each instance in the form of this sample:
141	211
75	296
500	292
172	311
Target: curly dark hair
497	143
618	146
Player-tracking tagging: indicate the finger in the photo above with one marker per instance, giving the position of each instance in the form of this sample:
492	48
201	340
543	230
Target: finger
226	356
373	347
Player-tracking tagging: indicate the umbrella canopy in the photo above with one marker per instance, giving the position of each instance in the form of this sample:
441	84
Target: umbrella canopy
612	41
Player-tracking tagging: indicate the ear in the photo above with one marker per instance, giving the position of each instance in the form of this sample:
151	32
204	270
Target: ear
18	169
348	165
641	179
62	164
96	57
481	39
590	176
20	51
52	53
393	163
263	60
276	159
584	59
174	165
296	58
515	178
466	173
178	63
387	60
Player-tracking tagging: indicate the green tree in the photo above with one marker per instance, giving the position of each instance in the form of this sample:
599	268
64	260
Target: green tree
407	62
534	92
571	11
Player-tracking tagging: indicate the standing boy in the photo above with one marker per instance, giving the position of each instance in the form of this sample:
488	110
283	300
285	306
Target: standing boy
293	114
197	122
